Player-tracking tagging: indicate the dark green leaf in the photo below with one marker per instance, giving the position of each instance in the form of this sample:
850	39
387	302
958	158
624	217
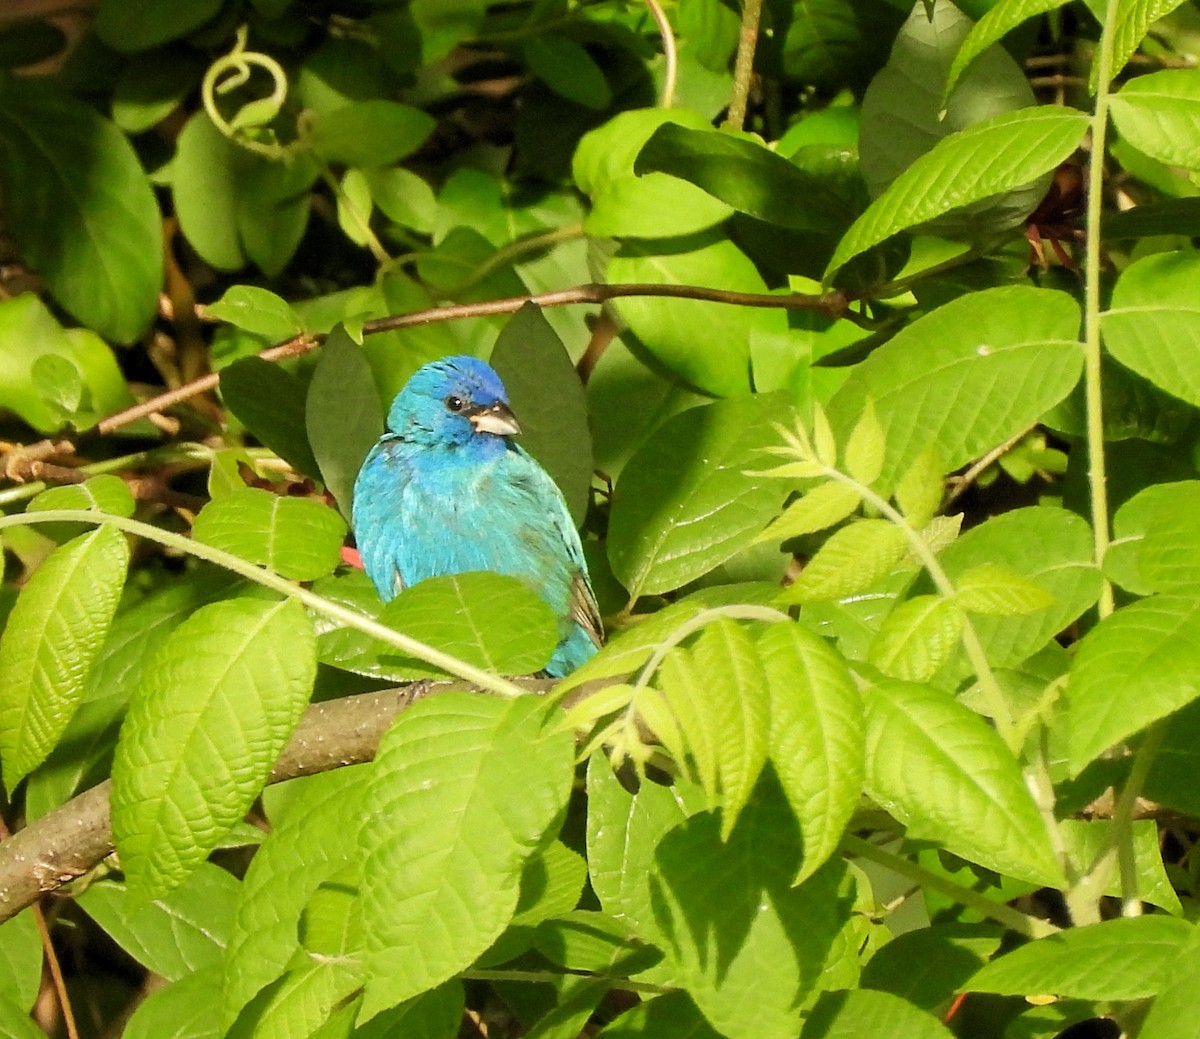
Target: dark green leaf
343	414
97	240
138	25
270	402
567	69
370	133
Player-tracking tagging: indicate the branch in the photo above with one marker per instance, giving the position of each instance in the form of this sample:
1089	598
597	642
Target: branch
73	839
832	303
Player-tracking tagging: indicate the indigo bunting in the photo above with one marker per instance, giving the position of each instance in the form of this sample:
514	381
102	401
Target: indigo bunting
445	491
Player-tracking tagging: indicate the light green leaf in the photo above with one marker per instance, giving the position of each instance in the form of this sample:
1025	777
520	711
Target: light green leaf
665	533
491	621
991	157
672	329
935	381
1159	114
917	638
307	845
97	241
50	640
820	507
609	151
718	694
654	205
1150	650
369	133
671	1015
863	1012
866	446
1153	322
219	701
104	493
1049	546
403	197
1121	959
1134	19
942	770
175	935
920	488
257	311
992	28
1000	591
30	337
1087	839
1173	1015
852	559
465	789
817	736
298	538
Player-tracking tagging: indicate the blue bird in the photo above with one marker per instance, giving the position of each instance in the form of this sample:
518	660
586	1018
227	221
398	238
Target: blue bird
445	491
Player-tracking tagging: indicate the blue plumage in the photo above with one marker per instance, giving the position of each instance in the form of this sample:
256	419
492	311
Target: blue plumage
446	491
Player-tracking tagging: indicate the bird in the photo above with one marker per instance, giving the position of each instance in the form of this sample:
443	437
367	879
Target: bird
445	490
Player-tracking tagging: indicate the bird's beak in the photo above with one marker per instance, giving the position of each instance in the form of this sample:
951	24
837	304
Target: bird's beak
497	419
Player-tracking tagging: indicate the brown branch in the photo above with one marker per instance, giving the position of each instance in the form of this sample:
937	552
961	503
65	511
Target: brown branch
832	303
73	839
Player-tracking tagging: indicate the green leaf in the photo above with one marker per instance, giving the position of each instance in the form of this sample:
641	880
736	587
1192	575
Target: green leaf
488	620
934	381
343	414
175	935
370	133
1048	546
730	921
863	1012
1158	114
257	311
942	770
182	1010
548	400
917	638
1087	839
29	338
307	845
298	538
653	205
673	330
98	243
945	956
143	24
609	151
51	638
1150	650
1153	323
818	508
104	493
270	402
1170	216
1133	23
852	559
1156	544
20	961
465	789
671	1015
991	29
905	113
567	69
817	735
403	197
219	701
665	533
1000	591
865	448
718	693
744	175
1173	1015
1002	153
1119	959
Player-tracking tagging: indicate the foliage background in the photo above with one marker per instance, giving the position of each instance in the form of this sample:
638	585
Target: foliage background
875	397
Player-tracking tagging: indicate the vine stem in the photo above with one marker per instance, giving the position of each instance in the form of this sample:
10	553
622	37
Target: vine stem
620	984
1011	918
334	611
666	97
1093	384
743	67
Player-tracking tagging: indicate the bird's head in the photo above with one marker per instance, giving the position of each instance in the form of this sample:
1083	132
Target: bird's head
455	401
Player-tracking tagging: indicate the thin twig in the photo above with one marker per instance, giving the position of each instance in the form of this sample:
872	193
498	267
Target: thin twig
666	98
743	68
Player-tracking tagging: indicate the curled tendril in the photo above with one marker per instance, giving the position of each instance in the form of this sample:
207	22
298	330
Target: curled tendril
232	71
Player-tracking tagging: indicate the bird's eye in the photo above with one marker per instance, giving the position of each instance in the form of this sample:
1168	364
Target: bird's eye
455	404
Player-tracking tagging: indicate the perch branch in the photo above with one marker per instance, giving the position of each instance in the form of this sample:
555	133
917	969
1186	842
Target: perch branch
73	839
